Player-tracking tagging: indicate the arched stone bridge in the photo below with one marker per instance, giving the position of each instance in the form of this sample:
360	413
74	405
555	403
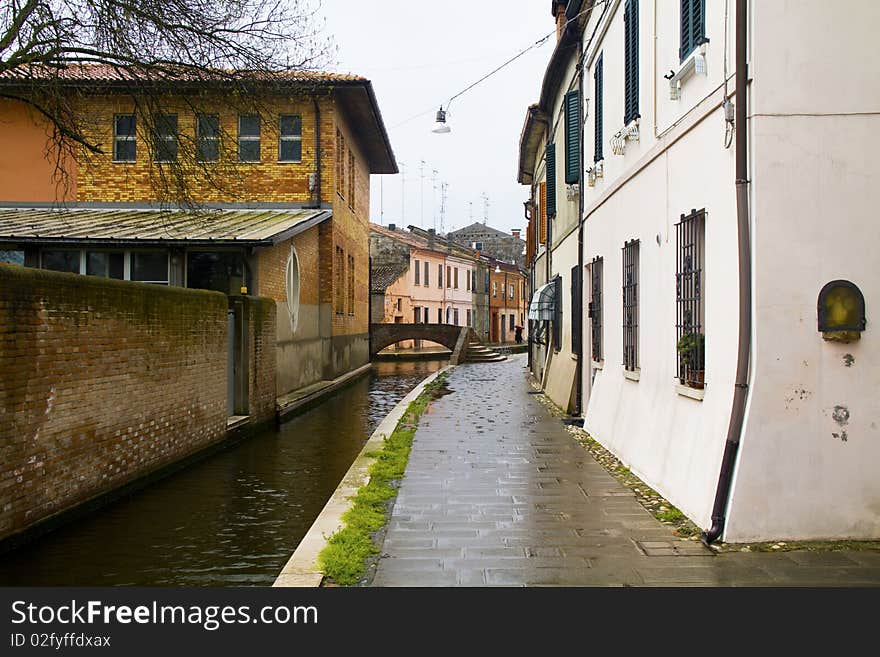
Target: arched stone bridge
454	338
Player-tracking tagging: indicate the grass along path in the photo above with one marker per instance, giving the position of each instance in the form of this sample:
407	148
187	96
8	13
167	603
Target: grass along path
344	560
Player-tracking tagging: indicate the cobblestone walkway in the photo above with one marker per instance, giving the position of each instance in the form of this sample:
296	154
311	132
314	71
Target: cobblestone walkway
497	492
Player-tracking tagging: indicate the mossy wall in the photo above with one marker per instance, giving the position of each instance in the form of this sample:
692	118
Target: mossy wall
101	383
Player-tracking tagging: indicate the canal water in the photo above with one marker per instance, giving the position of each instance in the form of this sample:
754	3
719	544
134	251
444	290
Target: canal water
232	519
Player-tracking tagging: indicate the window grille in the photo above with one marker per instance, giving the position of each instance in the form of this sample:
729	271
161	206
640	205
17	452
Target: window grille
596	309
631	305
689	281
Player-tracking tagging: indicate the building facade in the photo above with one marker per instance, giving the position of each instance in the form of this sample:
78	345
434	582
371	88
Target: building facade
550	164
727	269
508	297
281	196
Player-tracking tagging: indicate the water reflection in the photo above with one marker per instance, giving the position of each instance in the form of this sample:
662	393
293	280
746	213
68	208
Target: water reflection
231	520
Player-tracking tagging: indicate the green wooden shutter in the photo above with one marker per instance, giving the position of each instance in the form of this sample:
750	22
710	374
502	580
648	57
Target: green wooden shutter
597	111
550	157
631	61
693	25
572	137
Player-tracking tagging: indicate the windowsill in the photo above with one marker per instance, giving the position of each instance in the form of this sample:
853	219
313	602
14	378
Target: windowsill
632	375
289	161
124	161
598	364
692	393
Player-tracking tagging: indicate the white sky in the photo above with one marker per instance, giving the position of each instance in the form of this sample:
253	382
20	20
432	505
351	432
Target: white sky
418	54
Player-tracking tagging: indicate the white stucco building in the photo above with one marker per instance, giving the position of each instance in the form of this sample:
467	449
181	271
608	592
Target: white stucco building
661	244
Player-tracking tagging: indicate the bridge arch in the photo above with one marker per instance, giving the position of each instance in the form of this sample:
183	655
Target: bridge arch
385	335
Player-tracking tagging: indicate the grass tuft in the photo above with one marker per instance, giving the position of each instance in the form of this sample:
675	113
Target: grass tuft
345	557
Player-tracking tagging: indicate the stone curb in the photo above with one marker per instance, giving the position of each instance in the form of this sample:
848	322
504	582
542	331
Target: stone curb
302	568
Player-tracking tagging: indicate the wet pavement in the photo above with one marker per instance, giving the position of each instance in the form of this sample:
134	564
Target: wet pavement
498	493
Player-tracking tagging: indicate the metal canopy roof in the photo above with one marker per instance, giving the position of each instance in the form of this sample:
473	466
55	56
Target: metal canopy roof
543	305
252	227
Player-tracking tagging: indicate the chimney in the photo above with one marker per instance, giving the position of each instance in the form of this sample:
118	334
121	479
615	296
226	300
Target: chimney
392	226
559	15
431	238
515	232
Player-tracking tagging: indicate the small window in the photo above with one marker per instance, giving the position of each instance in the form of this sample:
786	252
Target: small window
165	138
557	319
417	270
455	316
440	276
207	137
290	138
693	26
12	256
124	139
595	311
106	264
449	277
339	280
631	305
64	261
631	61
439	315
427	274
689	284
511	291
417	315
598	156
149	267
351	180
400	304
455	280
249	138
469	317
494	289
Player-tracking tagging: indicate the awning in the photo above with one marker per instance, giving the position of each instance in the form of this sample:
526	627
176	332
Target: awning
543	305
152	227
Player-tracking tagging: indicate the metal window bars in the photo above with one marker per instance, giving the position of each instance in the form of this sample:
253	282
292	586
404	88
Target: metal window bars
690	348
631	305
595	310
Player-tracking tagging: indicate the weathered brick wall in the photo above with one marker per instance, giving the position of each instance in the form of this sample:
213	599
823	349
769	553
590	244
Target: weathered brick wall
103	180
102	382
261	358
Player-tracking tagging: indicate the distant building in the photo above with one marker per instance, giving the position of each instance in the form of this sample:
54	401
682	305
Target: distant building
492	242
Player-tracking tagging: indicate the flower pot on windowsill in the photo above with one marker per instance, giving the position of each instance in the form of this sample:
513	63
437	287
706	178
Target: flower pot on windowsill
698	379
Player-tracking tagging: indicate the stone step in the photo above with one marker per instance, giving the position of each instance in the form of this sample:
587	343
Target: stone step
497	358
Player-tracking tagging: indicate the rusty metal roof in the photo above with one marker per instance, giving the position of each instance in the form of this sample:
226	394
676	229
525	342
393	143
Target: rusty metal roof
250	227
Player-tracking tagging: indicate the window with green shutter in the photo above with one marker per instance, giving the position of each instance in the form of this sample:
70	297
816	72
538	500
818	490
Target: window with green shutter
597	110
631	61
693	26
572	137
550	157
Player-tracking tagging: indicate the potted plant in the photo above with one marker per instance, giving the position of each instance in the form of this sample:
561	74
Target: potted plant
692	348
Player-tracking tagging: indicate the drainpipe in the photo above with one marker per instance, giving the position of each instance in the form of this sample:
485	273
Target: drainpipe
318	153
740	394
579	366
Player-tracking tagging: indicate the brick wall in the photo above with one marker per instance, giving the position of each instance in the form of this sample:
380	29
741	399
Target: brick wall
103	180
102	382
261	359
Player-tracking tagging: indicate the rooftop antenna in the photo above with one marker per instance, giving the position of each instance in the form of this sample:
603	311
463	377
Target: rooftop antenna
434	199
422	190
381	200
443	195
486	204
402	193
471	211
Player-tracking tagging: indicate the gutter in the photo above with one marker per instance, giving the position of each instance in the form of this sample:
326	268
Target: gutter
579	366
743	212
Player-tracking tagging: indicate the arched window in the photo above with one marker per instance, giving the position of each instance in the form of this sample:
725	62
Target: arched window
292	284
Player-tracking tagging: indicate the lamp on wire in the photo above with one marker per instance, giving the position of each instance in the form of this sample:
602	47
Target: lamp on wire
440	125
497	269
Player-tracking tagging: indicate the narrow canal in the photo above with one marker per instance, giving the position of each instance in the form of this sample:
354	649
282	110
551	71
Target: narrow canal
231	520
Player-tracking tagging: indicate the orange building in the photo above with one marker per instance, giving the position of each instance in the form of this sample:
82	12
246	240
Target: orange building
508	302
282	196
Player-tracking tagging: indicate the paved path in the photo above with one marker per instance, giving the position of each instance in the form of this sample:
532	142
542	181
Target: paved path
497	492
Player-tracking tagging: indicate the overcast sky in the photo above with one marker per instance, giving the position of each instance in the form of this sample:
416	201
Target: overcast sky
418	55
